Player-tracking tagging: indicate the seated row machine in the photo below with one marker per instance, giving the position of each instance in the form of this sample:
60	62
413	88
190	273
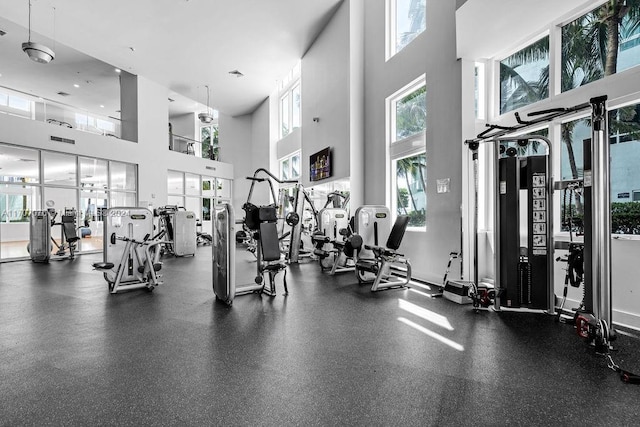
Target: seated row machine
41	240
131	259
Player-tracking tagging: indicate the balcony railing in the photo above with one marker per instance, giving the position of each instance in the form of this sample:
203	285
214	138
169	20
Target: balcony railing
191	147
20	104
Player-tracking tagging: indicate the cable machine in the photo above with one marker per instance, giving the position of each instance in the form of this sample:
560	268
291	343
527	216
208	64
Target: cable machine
594	323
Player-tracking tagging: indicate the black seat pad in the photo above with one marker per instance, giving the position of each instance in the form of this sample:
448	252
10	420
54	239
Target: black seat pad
103	265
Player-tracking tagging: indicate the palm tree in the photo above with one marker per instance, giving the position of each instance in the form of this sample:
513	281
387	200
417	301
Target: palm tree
612	14
405	169
411	113
412	167
590	44
516	91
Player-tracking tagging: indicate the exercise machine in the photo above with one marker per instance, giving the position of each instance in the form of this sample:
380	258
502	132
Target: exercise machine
131	258
202	238
181	229
594	322
384	258
574	258
261	221
295	219
41	241
223	254
331	223
524	199
292	218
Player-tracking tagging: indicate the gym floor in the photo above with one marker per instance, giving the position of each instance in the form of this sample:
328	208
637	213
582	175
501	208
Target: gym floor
329	353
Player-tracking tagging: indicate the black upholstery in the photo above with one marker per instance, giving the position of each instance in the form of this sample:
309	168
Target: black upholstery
103	265
269	241
70	231
397	232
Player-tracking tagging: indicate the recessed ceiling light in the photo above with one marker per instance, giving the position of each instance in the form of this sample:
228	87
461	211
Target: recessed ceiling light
101	106
118	70
76	85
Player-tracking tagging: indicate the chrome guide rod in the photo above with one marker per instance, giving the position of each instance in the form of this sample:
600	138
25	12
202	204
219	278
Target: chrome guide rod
601	223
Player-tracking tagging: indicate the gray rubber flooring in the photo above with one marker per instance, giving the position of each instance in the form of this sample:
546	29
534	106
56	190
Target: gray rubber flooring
329	353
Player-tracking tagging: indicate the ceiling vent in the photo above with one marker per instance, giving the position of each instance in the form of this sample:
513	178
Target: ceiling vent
65	140
2	33
171	100
63	93
236	73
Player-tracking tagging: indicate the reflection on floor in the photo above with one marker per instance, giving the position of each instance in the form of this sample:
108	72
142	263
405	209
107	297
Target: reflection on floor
329	353
18	249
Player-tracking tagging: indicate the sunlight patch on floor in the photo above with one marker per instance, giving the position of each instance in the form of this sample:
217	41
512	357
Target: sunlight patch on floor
432	334
428	315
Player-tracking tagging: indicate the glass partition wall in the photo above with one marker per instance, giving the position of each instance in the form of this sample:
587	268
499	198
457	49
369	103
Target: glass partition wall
198	194
32	179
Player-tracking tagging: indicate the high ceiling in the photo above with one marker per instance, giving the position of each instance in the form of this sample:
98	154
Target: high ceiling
180	44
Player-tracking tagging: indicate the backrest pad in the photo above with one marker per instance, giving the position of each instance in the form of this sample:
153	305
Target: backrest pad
269	241
397	232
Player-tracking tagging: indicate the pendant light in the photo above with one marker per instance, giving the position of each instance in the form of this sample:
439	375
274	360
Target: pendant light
37	51
206	117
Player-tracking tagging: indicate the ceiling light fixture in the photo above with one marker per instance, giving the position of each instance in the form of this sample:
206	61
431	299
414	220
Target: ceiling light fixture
37	51
117	70
206	117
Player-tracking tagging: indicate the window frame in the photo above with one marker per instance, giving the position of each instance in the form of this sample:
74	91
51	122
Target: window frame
289	159
391	28
286	90
398	149
497	90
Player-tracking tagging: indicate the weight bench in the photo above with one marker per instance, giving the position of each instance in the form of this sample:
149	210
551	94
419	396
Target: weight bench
384	258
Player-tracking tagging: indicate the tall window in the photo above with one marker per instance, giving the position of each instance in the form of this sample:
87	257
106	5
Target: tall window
210	142
405	20
479	91
290	166
407	112
410	179
624	137
524	76
600	43
290	102
285	118
290	110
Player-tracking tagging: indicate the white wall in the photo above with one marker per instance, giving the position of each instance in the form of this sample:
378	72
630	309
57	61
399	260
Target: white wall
235	148
432	53
326	95
185	125
289	144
